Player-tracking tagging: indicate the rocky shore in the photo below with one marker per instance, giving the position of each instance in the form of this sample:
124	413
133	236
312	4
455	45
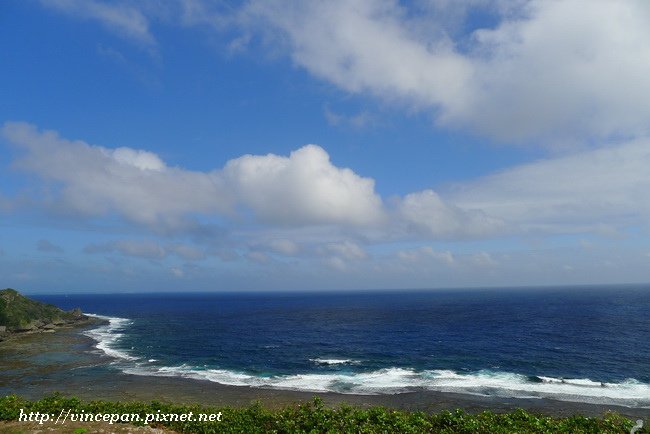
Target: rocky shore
20	315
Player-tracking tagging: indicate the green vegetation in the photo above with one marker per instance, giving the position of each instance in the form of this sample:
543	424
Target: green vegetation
314	417
19	312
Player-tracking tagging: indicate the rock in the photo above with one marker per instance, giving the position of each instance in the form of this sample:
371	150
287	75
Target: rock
32	326
77	314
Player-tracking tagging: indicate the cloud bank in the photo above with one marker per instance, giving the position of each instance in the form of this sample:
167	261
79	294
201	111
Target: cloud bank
306	197
303	189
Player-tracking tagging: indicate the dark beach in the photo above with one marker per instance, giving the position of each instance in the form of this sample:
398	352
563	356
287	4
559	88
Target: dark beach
66	361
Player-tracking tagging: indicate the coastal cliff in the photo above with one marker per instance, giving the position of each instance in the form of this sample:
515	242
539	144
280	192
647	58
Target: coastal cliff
19	314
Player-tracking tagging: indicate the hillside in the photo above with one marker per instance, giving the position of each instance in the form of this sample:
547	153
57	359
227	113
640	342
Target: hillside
21	314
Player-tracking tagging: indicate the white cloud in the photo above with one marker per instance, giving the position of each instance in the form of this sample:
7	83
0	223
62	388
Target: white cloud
301	201
364	46
549	70
602	191
124	19
304	188
142	160
95	181
425	213
565	68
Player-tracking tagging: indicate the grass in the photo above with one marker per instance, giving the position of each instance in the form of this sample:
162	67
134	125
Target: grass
18	311
314	417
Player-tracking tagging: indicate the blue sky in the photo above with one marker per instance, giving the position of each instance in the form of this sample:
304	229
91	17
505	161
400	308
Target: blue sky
282	145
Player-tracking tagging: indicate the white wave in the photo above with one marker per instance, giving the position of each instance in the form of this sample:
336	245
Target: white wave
398	380
108	335
630	392
323	361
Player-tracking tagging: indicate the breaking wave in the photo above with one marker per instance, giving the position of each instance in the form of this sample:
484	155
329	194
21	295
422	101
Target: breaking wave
108	335
390	380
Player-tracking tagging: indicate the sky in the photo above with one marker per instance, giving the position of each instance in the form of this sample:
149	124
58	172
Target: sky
271	145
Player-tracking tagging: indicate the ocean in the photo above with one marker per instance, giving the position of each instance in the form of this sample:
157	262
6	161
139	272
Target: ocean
582	344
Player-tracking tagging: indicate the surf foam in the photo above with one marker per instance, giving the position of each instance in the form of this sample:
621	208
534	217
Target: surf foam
324	361
399	380
392	380
108	335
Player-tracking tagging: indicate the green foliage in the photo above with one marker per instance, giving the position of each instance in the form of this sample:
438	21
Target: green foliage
18	311
4	319
315	417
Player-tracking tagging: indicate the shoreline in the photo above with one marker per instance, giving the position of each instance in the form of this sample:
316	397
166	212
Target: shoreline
42	328
68	362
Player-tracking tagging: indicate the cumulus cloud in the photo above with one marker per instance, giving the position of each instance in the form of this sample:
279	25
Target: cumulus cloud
307	199
426	214
304	188
95	181
142	160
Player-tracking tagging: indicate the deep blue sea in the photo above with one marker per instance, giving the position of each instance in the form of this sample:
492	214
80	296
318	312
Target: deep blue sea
588	344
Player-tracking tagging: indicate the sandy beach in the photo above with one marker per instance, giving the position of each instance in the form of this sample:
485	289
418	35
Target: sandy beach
66	361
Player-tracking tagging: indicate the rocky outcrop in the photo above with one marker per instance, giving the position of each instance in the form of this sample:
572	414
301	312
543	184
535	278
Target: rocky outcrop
22	315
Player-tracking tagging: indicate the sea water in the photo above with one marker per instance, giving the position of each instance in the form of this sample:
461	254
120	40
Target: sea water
586	344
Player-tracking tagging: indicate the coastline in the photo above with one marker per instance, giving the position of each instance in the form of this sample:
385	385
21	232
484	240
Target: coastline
83	322
68	362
